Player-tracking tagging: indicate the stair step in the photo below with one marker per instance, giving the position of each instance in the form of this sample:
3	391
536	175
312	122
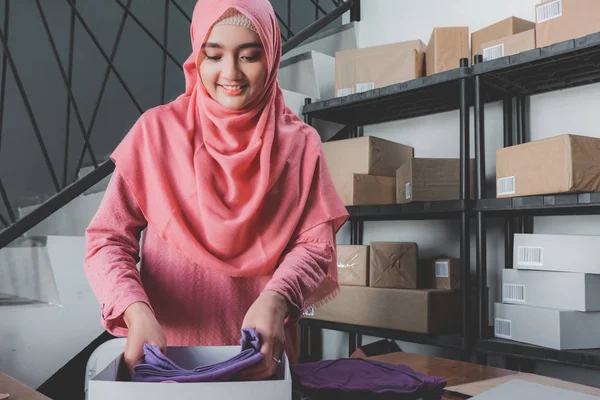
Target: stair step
295	102
71	220
41	339
329	41
311	73
9	300
98	187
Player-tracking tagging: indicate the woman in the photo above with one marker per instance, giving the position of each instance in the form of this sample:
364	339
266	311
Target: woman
232	193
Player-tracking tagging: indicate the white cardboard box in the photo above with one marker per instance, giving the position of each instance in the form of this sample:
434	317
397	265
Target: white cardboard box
566	253
556	329
560	290
105	385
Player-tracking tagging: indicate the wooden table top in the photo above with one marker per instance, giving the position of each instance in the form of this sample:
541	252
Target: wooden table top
455	372
17	390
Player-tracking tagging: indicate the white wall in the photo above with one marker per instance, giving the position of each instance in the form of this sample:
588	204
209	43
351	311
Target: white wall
570	111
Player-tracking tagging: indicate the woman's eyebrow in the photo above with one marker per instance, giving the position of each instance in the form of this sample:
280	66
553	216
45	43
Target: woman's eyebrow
251	45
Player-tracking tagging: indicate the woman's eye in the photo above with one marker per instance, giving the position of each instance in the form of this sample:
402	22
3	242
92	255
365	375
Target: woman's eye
250	58
213	58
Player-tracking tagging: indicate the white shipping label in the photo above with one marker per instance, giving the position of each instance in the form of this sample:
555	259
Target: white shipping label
491	53
408	190
549	11
502	328
345	92
513	293
506	186
363	87
531	256
442	269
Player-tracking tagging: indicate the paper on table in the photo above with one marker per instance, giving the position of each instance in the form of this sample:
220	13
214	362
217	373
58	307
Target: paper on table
522	390
475	388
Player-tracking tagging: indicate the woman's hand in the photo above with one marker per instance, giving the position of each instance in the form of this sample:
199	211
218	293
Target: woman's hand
267	316
143	328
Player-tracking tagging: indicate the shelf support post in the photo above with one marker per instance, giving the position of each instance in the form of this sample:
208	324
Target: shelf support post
465	237
508	120
480	176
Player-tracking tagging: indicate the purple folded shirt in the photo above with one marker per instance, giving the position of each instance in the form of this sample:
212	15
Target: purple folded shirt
359	376
158	368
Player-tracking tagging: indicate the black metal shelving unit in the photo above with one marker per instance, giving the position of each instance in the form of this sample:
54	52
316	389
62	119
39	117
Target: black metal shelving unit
512	80
442	92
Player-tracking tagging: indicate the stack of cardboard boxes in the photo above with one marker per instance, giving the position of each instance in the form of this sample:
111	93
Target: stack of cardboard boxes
369	68
364	169
556	21
374	67
552	296
370	171
383	284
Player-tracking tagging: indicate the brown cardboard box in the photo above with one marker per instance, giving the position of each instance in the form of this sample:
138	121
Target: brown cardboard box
566	163
356	72
366	155
445	49
507	27
445	273
424	311
362	189
562	20
509	45
431	179
393	265
353	265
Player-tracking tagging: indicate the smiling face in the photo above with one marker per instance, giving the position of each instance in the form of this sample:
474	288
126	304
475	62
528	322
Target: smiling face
232	66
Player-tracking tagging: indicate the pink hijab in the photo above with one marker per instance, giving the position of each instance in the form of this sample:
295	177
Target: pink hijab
231	189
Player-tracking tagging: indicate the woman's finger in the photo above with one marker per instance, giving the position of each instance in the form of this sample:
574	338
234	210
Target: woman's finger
259	370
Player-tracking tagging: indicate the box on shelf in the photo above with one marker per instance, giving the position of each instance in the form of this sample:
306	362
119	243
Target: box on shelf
565	163
356	72
509	45
431	179
561	253
363	169
556	329
560	290
366	155
393	265
562	20
353	265
109	385
424	310
444	273
362	189
445	49
499	30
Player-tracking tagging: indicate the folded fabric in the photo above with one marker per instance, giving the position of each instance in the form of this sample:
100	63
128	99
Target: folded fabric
158	368
365	377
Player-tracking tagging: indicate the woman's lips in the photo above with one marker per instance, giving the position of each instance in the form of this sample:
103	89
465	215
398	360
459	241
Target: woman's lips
233	90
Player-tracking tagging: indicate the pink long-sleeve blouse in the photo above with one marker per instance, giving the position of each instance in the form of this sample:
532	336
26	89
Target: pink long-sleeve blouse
195	306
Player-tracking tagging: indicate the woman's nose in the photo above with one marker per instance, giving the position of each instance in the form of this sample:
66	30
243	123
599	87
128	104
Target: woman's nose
231	69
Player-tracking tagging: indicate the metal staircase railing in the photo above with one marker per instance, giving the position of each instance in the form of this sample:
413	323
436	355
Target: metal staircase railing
68	189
